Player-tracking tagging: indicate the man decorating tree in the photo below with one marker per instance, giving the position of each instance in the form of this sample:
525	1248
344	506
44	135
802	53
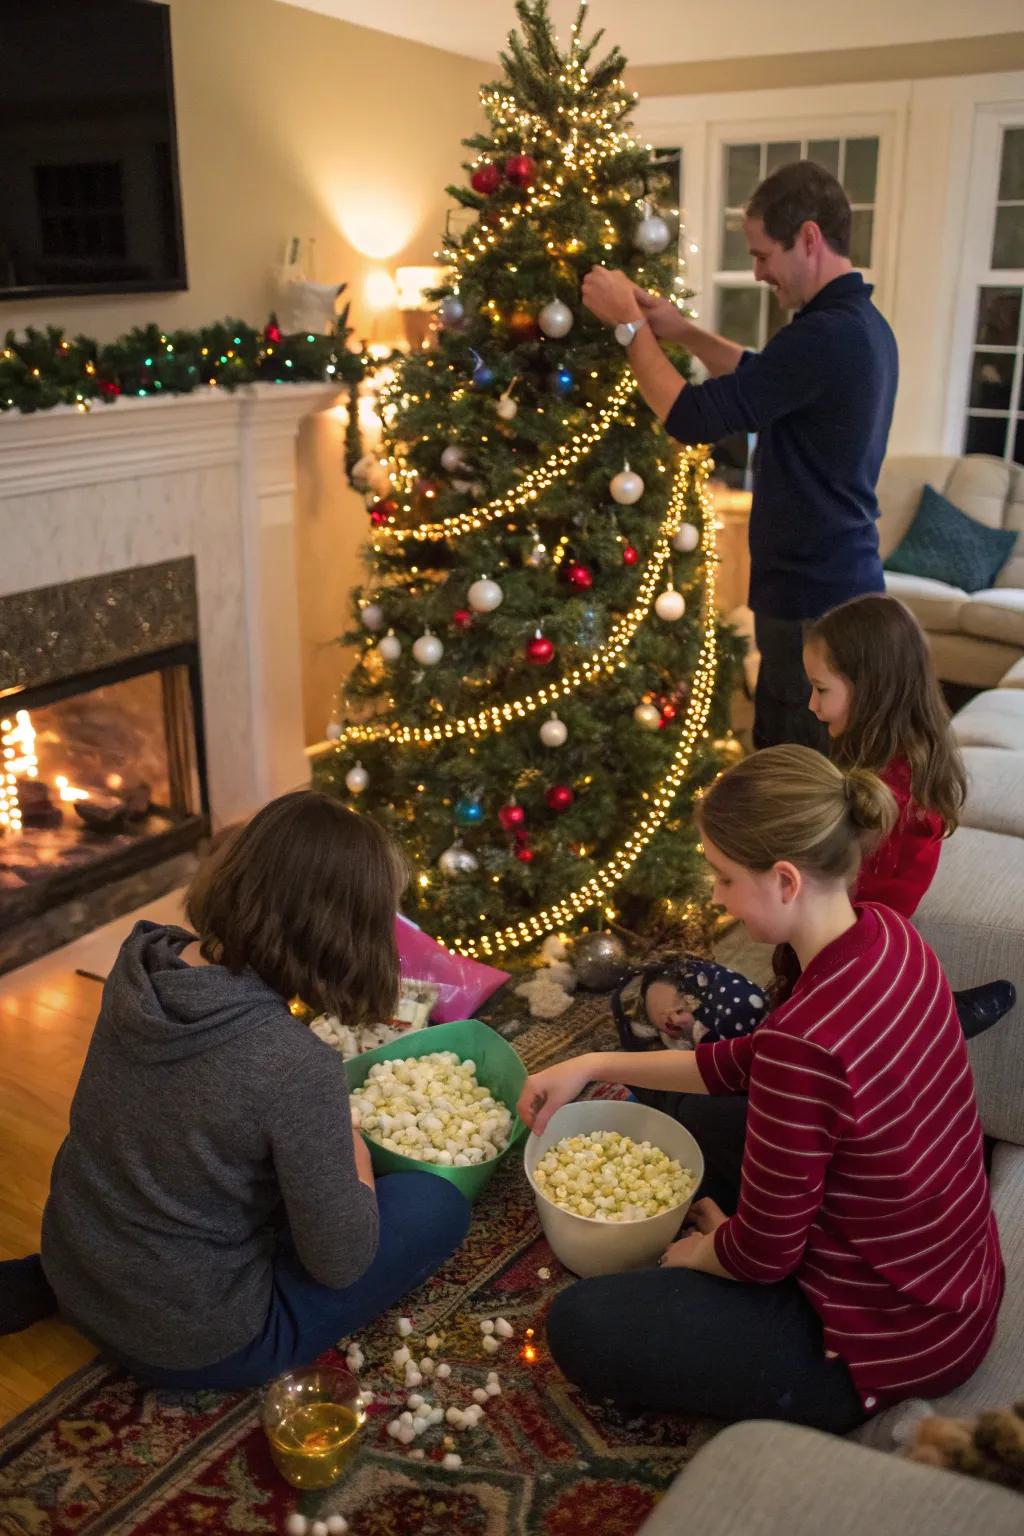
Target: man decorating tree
820	396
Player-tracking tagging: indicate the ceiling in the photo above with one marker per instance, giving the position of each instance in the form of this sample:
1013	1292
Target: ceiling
675	31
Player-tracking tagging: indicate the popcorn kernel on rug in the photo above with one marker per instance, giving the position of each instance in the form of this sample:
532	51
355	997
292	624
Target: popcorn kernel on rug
99	1456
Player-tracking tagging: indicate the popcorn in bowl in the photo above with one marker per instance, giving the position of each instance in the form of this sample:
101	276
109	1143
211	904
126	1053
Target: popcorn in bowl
606	1176
432	1109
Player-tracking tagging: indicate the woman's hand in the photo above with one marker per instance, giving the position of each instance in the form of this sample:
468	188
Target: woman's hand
611	296
547	1091
696	1250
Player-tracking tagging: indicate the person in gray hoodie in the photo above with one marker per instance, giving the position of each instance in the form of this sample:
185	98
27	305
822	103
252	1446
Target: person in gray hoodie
213	1218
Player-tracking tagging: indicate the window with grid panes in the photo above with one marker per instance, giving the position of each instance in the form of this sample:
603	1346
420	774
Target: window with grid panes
995	403
747	311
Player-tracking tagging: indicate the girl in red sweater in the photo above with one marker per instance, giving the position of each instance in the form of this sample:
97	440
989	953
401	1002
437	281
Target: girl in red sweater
855	1260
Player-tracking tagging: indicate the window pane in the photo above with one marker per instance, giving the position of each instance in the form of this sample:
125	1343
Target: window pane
992	380
861	230
825	152
861	171
1008	242
1011	173
742	173
986	434
777	316
735	254
783	153
1018	447
998	316
739	315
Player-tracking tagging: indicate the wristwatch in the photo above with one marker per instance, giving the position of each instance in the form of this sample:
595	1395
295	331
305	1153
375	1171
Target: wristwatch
625	332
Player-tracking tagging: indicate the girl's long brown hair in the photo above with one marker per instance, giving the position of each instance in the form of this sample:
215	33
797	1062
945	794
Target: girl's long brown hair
898	709
305	894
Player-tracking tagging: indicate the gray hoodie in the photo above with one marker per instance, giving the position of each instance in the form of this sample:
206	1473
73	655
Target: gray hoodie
205	1121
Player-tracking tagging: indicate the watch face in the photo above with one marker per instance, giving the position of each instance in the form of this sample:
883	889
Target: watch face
625	332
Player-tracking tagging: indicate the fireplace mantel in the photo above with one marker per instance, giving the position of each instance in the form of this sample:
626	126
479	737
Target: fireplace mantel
211	475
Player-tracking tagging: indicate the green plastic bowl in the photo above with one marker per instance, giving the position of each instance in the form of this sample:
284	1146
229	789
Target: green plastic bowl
498	1068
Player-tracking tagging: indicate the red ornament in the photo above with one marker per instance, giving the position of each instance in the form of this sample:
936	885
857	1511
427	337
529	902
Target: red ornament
668	711
382	510
462	618
579	577
486	179
539	650
520	170
524	855
522	325
109	389
272	331
511	816
559	798
630	555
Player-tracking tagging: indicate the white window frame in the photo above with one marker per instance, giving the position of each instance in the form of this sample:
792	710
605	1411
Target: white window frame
990	119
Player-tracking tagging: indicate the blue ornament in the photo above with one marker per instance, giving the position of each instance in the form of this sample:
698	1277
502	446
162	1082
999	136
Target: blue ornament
482	375
468	811
561	381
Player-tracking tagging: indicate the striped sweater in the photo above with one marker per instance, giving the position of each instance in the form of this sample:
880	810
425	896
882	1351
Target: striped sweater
863	1169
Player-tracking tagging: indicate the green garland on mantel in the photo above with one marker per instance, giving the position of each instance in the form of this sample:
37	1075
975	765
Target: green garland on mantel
42	369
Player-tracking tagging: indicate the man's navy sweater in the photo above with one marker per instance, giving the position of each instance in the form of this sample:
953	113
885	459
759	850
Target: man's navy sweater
820	397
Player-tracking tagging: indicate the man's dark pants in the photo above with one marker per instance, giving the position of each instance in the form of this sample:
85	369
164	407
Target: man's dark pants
782	696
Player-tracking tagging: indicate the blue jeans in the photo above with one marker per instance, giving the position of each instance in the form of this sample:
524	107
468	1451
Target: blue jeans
423	1219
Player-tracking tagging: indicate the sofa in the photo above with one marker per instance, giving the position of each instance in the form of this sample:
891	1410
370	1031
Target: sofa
767	1479
976	637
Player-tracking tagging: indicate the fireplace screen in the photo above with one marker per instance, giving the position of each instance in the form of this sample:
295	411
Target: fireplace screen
100	775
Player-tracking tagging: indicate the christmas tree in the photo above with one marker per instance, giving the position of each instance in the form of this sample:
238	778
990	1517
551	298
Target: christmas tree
542	677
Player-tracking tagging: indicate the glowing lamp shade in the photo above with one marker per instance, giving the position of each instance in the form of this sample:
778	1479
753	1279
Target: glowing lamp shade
379	290
411	283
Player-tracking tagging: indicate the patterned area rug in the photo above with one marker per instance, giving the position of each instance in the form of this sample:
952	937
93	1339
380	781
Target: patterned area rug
100	1455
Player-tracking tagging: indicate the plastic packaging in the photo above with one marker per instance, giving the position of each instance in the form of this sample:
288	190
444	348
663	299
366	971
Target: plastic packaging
462	984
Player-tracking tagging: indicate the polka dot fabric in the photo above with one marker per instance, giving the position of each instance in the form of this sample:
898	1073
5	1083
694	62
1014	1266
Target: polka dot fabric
725	1005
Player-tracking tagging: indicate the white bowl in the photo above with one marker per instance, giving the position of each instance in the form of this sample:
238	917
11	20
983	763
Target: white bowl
591	1247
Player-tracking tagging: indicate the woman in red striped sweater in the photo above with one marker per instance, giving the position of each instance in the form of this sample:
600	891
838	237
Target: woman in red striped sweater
857	1260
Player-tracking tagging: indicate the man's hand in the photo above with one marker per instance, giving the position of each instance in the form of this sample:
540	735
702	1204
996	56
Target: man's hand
666	320
547	1091
610	296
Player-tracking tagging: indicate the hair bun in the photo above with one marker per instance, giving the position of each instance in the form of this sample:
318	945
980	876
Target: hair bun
871	803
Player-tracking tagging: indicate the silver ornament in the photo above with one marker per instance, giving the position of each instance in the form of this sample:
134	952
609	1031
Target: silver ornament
356	779
390	647
452	458
652	234
457	860
670	605
333	731
647	717
555	319
686	538
372	616
428	649
506	408
626	487
554	732
451	310
485	595
599	961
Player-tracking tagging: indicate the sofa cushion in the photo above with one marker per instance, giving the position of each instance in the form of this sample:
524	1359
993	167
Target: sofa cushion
995	614
995	790
900	482
986	488
972	915
1014	678
944	544
934	604
992	719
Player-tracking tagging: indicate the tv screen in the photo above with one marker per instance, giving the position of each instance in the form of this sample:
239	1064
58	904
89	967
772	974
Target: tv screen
89	198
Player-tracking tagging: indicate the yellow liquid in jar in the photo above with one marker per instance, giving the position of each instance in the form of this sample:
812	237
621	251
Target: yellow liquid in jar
314	1442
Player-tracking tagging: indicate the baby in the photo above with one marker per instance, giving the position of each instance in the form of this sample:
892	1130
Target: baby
682	1000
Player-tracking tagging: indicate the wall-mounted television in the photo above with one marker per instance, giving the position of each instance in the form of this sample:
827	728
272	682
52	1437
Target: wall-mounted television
89	195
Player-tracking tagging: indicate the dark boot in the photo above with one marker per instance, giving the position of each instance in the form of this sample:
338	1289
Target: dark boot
25	1294
979	1008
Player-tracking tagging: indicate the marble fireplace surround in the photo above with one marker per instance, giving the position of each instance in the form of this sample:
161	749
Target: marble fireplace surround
211	476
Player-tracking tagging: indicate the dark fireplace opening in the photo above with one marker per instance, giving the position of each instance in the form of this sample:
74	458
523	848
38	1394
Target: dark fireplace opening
102	775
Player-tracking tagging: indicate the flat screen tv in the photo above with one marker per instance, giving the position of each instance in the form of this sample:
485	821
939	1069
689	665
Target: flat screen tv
89	196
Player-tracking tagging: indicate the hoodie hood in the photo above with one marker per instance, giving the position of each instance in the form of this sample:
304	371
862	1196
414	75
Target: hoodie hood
160	1008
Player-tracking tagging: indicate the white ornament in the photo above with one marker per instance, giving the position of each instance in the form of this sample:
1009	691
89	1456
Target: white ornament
390	647
356	779
372	616
456	861
506	408
670	605
647	716
428	649
686	538
652	234
555	319
485	595
333	731
452	458
554	732
626	487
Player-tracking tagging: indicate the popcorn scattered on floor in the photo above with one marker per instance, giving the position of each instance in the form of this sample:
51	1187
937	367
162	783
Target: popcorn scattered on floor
454	1418
433	1342
543	1273
337	1525
491	1344
452	1462
426	1366
503	1328
405	1326
318	1528
415	1401
480	1395
444	1370
413	1377
418	1454
487	1326
402	1356
296	1524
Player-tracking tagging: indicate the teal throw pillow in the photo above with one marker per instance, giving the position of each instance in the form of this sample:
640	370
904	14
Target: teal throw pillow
945	544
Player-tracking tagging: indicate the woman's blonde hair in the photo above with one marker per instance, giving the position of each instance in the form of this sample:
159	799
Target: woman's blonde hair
790	803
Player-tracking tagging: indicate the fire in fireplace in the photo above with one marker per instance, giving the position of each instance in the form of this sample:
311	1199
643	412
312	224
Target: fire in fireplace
101	775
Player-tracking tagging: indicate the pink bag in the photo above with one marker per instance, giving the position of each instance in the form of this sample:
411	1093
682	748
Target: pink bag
462	984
